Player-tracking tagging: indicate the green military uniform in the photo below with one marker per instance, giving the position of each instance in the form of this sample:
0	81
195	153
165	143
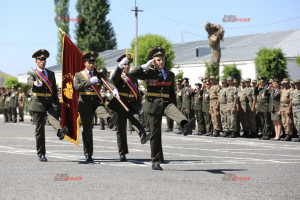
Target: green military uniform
44	103
21	105
127	94
160	100
179	100
223	114
89	103
197	107
13	104
4	96
246	99
296	107
263	111
187	100
206	114
6	105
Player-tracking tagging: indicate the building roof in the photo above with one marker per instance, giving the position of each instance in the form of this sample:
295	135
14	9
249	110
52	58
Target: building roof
235	48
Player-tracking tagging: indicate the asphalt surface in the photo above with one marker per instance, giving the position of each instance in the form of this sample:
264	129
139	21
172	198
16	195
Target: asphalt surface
196	167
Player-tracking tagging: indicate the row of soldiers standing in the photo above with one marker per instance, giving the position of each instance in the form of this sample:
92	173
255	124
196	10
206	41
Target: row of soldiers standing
10	101
247	110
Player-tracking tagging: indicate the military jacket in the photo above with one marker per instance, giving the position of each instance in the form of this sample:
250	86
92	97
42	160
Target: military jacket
160	91
263	100
222	94
205	103
179	98
274	105
296	100
187	97
40	103
87	102
231	94
286	96
198	100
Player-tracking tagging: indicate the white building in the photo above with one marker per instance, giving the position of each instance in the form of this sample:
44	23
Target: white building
190	57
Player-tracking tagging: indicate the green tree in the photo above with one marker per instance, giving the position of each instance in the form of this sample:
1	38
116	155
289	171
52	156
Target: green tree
147	42
14	81
179	75
271	63
93	31
212	70
232	70
62	21
298	60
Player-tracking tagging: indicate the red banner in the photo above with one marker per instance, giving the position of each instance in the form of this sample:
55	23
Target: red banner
72	63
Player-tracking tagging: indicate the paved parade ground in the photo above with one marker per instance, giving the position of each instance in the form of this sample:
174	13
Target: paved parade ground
197	167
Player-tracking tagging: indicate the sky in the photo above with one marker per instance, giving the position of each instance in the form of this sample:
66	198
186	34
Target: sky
27	26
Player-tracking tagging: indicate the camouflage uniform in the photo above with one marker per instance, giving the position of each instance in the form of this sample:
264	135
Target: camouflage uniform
296	108
223	101
231	95
197	107
206	114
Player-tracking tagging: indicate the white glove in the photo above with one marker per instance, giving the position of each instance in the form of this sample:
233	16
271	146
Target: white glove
116	93
94	80
123	62
145	66
38	83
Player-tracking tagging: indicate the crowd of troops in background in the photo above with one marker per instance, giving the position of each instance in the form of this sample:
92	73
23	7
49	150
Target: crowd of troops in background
265	110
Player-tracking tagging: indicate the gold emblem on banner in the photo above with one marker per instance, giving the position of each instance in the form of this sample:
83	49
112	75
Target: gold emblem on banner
68	91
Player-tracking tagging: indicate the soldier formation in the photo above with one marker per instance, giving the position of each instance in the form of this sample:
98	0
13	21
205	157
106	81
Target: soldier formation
265	110
268	110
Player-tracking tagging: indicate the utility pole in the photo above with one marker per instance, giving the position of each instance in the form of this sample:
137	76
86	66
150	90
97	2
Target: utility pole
136	33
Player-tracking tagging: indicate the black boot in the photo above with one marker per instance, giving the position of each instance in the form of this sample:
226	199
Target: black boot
188	127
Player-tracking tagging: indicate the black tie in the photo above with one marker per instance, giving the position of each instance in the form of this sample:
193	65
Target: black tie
91	74
43	72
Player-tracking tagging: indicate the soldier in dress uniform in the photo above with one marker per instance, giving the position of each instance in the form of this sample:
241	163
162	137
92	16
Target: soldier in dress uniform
274	107
223	114
128	91
4	96
286	109
215	106
87	83
179	99
13	104
197	107
263	108
187	99
296	107
21	104
44	101
160	100
255	92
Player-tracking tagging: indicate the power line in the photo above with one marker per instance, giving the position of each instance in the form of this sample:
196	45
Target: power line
197	25
29	44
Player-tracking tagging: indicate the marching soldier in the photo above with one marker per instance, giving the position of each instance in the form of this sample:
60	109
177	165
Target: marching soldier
263	108
231	107
223	114
44	101
187	99
21	104
215	106
205	109
90	101
160	100
197	107
296	107
13	104
128	91
286	109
